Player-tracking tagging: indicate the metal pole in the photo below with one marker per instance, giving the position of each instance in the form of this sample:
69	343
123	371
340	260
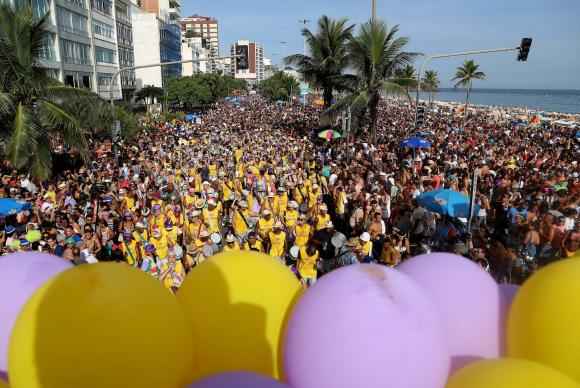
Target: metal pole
373	10
305	22
459	54
473	195
118	72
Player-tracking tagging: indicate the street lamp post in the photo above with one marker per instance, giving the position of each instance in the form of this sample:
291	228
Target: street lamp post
459	54
373	10
116	124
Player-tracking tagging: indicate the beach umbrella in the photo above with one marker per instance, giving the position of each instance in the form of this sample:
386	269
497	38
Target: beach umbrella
415	142
329	135
9	206
446	202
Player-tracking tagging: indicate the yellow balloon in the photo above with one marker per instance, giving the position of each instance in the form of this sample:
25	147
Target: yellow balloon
545	316
509	373
238	303
101	325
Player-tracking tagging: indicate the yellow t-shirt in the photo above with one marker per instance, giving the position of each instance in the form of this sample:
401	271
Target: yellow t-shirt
302	234
234	248
161	246
238	153
257	246
313	198
277	243
340	208
321	221
291	217
212	219
212	169
130	252
265	226
172	280
307	263
238	222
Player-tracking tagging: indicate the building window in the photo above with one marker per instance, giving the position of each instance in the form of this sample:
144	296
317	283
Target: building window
102	29
77	79
77	3
122	11
104	80
46	51
71	22
40	8
124	35
104	55
103	6
75	52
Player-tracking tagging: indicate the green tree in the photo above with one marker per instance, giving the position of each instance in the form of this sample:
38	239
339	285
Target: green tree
407	78
149	94
280	86
189	92
430	83
376	54
464	76
33	107
328	56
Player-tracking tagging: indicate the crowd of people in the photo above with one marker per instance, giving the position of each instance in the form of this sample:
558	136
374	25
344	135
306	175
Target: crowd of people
253	176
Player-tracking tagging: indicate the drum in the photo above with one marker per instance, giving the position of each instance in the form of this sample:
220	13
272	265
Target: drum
216	238
294	252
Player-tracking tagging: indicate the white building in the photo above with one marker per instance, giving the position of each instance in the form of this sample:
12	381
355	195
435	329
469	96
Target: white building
206	28
253	71
193	49
156	39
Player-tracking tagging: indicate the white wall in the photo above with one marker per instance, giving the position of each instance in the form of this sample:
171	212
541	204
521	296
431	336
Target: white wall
146	45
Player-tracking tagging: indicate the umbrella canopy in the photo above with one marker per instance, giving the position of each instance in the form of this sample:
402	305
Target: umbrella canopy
415	142
329	134
446	202
10	206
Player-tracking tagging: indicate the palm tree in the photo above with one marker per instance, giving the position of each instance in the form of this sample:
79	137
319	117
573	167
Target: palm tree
464	76
407	78
430	83
33	115
328	56
149	94
377	56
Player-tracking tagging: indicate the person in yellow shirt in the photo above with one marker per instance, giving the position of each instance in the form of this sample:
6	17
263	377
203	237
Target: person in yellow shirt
171	272
322	218
253	244
313	196
212	217
280	202
277	241
170	232
212	167
366	247
238	153
130	249
194	226
300	193
307	264
291	215
265	224
240	221
141	236
232	244
302	232
159	241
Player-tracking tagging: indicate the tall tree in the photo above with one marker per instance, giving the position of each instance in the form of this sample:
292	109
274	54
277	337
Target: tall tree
376	54
328	57
33	115
280	86
407	78
464	76
149	94
430	83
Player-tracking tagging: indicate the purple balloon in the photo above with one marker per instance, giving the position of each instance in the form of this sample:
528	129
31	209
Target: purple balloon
365	326
507	293
468	299
238	380
21	274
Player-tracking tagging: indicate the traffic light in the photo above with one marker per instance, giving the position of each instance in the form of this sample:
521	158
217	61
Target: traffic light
420	122
242	62
524	49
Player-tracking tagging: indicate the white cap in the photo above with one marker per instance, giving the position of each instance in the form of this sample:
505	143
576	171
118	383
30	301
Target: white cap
230	238
365	237
293	205
267	212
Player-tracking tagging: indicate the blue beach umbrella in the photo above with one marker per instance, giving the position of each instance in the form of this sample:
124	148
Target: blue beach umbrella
9	206
415	142
446	202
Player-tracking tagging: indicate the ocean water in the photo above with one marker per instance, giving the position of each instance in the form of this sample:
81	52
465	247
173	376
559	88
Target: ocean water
565	101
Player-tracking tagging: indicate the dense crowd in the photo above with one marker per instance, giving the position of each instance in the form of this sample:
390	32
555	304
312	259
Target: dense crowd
253	176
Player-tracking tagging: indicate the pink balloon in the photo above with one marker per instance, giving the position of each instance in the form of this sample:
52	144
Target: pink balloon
469	301
21	274
365	326
507	293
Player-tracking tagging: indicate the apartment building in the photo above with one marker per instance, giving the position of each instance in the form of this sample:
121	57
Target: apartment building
253	71
206	28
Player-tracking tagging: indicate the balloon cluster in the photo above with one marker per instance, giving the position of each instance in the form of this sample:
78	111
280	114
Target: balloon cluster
242	320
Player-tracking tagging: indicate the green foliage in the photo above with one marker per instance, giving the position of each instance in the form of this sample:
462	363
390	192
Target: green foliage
377	55
466	73
329	57
201	89
148	94
279	87
430	83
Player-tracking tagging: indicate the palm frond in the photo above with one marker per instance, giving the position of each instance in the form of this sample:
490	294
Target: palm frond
6	103
23	140
56	119
42	162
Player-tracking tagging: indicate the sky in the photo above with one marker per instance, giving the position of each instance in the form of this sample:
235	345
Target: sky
433	26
